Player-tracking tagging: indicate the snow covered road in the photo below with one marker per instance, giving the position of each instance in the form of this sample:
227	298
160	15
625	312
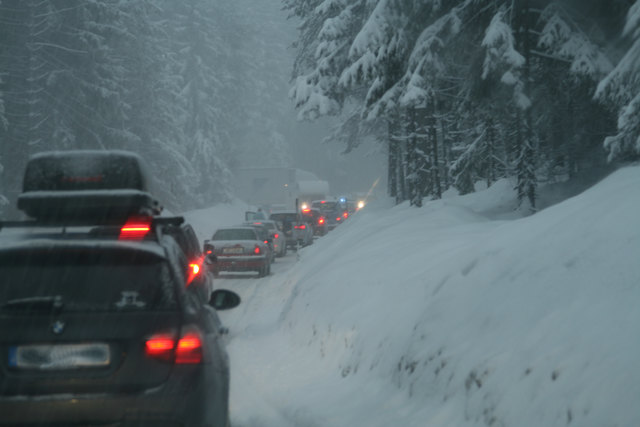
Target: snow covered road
251	326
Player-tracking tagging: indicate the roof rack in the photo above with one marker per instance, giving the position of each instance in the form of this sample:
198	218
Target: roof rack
175	221
86	185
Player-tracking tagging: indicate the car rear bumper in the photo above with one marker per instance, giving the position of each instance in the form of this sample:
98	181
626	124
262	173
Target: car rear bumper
91	409
187	401
240	263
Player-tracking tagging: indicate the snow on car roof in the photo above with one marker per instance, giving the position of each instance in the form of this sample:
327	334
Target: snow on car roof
81	153
48	243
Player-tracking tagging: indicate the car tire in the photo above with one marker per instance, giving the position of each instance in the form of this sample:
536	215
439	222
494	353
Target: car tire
263	271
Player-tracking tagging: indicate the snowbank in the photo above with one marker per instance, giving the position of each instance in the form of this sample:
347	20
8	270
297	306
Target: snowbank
441	317
206	221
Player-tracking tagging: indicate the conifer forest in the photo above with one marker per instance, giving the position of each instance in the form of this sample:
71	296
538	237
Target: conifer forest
453	91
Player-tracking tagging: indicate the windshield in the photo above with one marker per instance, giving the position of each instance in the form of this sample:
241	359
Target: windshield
85	281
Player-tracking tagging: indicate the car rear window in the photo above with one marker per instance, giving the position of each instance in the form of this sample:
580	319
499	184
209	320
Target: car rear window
326	206
284	217
287	219
86	280
235	234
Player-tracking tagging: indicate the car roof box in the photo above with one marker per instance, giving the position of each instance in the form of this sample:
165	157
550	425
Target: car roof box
86	185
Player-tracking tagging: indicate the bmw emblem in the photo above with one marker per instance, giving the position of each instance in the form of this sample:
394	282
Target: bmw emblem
58	327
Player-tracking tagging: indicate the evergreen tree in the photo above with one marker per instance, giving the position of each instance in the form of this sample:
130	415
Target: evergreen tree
492	112
621	88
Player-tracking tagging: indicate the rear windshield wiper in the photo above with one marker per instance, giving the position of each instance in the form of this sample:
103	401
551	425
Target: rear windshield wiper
34	303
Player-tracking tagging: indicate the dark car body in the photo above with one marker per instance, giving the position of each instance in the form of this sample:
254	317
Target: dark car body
92	330
240	249
105	315
317	220
334	211
186	238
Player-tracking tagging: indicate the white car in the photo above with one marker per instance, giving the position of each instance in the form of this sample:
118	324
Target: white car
277	234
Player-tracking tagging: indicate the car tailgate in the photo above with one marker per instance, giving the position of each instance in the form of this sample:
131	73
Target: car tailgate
81	352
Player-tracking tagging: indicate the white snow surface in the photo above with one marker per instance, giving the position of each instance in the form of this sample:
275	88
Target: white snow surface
445	316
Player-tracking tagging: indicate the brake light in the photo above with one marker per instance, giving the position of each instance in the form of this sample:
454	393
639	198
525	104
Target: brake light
189	349
256	251
306	210
195	268
300	227
159	346
345	215
321	221
276	236
338	218
135	228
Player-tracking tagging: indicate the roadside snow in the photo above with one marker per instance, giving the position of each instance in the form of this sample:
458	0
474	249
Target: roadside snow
206	221
441	316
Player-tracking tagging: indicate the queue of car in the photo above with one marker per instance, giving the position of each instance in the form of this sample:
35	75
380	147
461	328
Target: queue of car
108	315
273	233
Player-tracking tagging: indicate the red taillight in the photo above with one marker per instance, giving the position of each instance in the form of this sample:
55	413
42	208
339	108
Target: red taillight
195	268
256	251
159	347
345	215
276	236
306	210
135	228
338	218
189	349
321	221
300	227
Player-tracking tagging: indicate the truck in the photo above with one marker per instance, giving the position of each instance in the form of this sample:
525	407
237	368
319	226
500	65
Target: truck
278	188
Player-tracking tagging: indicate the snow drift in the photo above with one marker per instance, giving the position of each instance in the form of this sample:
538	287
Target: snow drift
441	317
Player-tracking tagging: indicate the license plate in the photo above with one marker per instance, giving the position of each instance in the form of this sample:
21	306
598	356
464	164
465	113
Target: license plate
59	356
232	250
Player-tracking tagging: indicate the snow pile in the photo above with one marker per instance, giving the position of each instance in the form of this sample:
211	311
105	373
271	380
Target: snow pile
206	221
441	317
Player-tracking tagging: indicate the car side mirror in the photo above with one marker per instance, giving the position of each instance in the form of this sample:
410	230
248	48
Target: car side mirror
222	299
210	258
